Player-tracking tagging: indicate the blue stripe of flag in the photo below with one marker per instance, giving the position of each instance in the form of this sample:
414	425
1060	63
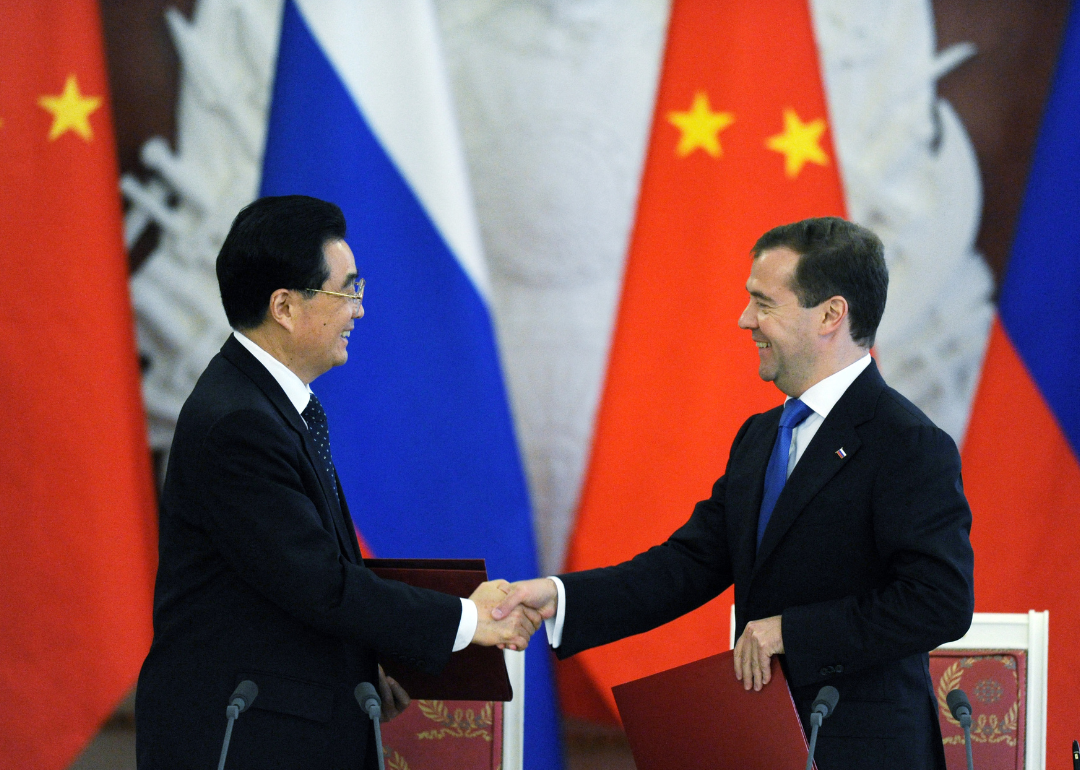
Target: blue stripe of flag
422	433
1040	297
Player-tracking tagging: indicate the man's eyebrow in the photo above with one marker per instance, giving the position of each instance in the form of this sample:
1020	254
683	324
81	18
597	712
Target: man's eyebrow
350	279
762	296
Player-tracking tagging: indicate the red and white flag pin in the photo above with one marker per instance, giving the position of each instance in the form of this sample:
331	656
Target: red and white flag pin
841	453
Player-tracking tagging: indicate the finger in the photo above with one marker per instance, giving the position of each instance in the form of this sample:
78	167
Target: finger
747	667
758	672
384	688
526	619
766	667
737	659
521	631
401	698
535	618
512	600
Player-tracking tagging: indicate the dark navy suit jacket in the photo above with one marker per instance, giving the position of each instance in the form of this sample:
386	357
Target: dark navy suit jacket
260	577
866	557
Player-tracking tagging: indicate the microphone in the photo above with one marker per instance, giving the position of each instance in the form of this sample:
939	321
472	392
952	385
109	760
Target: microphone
960	706
823	707
824	704
370	704
241	699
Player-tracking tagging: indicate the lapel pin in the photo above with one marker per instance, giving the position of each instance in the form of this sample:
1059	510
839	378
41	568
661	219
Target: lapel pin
841	453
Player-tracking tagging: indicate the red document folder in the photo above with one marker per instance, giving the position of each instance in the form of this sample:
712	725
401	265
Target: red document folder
475	673
698	717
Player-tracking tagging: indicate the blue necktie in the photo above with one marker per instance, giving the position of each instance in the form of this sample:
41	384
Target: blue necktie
795	411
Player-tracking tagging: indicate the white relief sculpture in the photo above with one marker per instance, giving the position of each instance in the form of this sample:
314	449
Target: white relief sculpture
910	174
227	53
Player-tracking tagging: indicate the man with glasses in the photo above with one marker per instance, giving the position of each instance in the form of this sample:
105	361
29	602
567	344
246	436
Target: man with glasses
260	575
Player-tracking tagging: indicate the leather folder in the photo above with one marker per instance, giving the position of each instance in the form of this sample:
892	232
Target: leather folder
475	673
698	716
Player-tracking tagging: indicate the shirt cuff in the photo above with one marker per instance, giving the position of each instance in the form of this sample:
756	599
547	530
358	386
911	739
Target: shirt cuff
554	625
466	629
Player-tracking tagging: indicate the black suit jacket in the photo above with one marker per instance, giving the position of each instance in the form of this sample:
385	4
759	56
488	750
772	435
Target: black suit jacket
866	557
260	578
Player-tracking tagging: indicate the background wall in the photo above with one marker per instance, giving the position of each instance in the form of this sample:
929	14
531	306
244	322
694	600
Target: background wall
554	101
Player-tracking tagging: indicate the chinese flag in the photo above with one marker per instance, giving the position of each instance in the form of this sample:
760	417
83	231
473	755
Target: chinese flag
76	494
739	144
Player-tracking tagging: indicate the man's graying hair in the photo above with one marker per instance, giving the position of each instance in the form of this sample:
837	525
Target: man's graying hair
836	258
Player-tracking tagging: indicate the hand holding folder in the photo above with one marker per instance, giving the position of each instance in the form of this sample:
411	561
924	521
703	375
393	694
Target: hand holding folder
475	673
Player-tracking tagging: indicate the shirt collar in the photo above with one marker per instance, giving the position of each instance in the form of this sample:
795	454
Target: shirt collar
822	396
295	389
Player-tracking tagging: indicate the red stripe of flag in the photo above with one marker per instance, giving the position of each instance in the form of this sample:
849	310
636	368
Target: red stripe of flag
1023	483
739	144
76	495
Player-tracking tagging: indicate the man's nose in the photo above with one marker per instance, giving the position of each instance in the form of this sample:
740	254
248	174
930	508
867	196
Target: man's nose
358	310
747	320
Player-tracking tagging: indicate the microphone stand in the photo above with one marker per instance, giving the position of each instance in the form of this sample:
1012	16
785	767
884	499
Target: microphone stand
960	706
371	704
815	722
823	706
232	712
242	697
965	722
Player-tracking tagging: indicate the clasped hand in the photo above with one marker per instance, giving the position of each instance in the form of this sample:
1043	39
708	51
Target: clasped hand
510	629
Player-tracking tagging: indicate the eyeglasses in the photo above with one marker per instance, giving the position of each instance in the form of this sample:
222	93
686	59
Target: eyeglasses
357	298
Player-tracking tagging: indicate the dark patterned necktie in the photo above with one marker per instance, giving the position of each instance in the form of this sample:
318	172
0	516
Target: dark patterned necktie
315	418
795	411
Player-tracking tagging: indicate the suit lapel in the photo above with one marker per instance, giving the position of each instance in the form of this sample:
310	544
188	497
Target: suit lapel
746	484
820	462
240	357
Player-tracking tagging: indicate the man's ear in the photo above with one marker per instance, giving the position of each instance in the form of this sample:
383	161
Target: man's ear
836	311
283	308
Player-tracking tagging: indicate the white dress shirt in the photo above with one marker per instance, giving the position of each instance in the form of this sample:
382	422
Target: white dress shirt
299	393
820	397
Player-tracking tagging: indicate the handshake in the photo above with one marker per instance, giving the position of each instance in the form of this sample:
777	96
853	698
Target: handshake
508	614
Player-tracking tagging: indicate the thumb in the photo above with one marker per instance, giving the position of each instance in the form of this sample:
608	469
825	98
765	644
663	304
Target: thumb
512	600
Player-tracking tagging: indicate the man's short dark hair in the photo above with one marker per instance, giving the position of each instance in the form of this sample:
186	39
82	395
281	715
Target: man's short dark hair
274	243
836	258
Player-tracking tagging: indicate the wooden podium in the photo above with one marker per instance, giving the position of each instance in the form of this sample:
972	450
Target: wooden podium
699	717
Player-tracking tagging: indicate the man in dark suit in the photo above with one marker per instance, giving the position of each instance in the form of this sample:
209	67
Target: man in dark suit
840	519
260	576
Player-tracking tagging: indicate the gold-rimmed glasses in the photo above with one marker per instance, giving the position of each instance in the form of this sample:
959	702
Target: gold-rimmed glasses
357	298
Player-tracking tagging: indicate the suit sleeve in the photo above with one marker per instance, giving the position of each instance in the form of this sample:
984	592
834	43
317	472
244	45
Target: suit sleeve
689	569
261	520
921	526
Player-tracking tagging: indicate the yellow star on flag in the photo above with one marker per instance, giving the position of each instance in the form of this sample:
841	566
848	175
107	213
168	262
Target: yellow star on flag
700	127
70	110
800	142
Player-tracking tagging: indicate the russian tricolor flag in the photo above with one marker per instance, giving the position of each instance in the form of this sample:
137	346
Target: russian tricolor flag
422	433
1022	450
